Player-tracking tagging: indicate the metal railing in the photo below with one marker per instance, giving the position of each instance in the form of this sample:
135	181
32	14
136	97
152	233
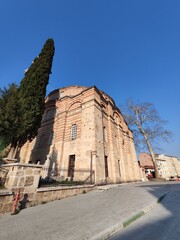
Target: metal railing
68	179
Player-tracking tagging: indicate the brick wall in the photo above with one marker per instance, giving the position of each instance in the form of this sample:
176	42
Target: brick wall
92	111
6	201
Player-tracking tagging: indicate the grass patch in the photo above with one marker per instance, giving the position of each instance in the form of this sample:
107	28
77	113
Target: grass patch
71	183
54	183
132	219
2	187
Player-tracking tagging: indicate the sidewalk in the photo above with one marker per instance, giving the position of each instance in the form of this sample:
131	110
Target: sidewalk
94	215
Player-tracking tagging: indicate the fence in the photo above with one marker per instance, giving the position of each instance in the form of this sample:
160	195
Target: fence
65	177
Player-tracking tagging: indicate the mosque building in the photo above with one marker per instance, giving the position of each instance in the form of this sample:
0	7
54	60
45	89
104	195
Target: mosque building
85	137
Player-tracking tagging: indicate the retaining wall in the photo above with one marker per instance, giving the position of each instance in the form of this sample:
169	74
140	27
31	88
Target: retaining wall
25	178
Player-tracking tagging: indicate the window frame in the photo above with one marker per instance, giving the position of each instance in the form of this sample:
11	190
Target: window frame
74	131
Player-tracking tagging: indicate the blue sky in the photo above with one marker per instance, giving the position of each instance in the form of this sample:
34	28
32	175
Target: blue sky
127	48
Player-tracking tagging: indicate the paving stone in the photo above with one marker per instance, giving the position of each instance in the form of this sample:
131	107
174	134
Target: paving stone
85	216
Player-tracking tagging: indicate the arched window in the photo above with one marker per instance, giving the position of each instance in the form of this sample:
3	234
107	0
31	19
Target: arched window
104	134
61	94
116	118
73	132
51	136
48	114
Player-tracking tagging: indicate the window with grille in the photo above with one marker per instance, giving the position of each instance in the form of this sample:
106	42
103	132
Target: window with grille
73	132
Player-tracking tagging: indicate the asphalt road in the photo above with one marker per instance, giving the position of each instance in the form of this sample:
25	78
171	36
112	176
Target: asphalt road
86	216
162	222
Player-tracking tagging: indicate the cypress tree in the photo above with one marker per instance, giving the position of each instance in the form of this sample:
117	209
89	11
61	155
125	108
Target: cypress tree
32	92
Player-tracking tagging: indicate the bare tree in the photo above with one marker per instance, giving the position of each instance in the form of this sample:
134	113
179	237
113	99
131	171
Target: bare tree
147	126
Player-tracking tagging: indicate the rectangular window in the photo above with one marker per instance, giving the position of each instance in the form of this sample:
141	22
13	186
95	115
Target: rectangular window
104	134
48	114
51	138
106	166
73	132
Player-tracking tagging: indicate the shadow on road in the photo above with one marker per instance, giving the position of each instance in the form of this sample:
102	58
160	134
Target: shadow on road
24	202
162	222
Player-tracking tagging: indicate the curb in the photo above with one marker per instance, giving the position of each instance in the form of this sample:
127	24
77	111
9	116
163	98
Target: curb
119	226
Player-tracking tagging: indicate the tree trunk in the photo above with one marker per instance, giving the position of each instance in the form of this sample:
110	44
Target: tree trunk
11	152
151	152
153	158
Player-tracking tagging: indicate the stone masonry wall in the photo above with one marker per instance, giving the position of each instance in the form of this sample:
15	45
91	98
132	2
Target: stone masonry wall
25	178
40	196
6	201
22	176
